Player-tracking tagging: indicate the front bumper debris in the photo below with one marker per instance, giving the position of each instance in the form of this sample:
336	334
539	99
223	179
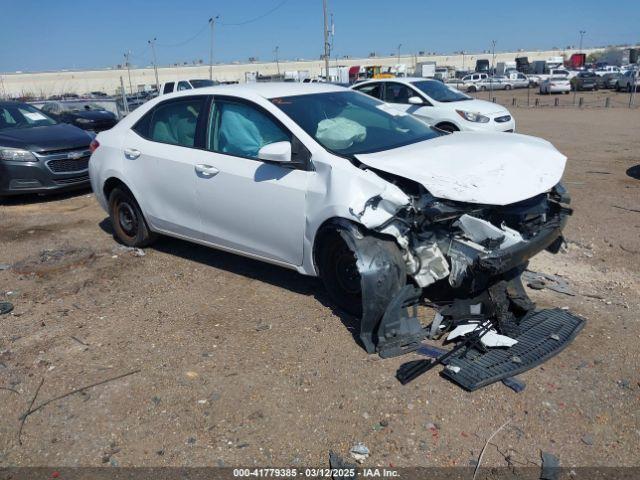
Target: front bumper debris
545	333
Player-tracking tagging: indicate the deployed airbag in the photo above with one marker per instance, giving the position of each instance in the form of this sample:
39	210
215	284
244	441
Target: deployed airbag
340	133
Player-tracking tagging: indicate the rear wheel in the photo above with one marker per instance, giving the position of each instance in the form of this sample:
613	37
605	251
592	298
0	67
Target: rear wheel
127	220
507	87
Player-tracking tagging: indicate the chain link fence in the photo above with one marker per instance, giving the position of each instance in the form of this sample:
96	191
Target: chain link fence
531	98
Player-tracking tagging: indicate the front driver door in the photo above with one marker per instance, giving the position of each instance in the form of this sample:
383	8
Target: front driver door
246	204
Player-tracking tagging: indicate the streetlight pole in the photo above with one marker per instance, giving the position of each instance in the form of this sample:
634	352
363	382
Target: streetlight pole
155	63
493	62
212	22
326	41
575	88
128	65
277	62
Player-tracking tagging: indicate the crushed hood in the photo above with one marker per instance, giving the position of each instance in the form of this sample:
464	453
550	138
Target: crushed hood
483	168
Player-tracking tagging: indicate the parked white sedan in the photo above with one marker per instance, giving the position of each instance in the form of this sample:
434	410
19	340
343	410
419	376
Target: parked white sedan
558	84
330	182
440	105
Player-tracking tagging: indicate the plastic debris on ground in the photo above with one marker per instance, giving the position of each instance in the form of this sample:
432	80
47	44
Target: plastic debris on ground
5	307
514	383
359	452
490	339
336	462
550	466
4	266
539	281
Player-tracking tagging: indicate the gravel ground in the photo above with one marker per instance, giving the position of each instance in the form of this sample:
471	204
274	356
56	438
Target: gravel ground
243	363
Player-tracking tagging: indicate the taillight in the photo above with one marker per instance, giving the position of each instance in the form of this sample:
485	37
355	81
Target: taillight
93	146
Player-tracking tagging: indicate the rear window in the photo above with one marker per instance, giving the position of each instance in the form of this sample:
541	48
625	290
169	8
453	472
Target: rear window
168	87
173	122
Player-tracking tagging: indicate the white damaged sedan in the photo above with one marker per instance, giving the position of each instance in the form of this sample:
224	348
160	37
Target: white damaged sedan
335	184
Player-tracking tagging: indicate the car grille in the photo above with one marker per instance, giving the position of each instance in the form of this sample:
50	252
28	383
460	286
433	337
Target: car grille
68	165
67	181
66	161
503	119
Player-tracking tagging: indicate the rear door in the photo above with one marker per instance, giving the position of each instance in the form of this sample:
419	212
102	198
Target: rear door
161	154
246	204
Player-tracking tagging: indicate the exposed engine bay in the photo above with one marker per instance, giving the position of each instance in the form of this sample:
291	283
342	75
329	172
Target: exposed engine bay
465	260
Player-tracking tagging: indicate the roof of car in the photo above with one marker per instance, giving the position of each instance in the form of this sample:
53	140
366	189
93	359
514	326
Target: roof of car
272	89
401	80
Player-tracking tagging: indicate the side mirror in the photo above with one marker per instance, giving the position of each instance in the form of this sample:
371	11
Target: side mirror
276	152
415	100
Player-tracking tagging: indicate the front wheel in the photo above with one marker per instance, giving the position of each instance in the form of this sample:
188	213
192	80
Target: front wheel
127	219
507	87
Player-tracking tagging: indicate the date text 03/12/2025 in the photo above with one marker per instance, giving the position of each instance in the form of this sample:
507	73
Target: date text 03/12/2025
315	473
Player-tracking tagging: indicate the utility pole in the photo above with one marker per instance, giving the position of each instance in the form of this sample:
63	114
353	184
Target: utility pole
155	63
212	22
128	65
493	62
575	88
277	61
326	41
399	47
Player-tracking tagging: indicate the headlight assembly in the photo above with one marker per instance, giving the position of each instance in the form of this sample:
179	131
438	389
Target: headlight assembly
16	155
473	117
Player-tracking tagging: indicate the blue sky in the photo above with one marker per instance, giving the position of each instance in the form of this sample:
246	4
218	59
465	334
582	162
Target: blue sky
67	34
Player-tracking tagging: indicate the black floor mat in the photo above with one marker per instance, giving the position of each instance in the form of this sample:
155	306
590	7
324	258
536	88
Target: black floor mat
546	333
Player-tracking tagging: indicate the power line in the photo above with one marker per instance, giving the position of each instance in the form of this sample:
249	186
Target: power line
255	19
179	44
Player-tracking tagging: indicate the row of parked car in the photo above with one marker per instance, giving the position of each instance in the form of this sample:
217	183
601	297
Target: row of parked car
558	80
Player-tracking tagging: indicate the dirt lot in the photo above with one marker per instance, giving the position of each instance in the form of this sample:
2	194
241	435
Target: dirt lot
242	363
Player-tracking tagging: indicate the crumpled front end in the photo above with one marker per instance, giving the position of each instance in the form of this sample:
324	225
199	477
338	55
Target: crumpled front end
457	252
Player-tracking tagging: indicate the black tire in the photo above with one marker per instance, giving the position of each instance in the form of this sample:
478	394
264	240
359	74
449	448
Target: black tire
629	88
507	87
129	225
471	89
337	265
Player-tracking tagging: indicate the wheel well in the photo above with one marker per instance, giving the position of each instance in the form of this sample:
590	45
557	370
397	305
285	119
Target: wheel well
112	183
331	227
447	124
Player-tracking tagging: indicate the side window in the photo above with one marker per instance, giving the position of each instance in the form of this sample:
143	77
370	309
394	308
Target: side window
397	93
168	87
172	122
182	85
240	129
373	89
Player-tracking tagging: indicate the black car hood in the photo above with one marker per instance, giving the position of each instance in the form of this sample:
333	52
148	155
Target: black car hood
41	139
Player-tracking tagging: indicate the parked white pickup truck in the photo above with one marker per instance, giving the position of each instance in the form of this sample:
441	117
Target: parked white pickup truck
537	79
179	85
468	81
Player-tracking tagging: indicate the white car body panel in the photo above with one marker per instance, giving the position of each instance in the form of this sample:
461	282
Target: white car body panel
503	171
271	213
439	112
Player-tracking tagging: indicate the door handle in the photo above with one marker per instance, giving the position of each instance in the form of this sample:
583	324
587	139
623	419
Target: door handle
131	153
207	170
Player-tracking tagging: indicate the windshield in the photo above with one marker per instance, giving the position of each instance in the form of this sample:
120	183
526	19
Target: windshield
440	92
202	83
22	116
350	123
